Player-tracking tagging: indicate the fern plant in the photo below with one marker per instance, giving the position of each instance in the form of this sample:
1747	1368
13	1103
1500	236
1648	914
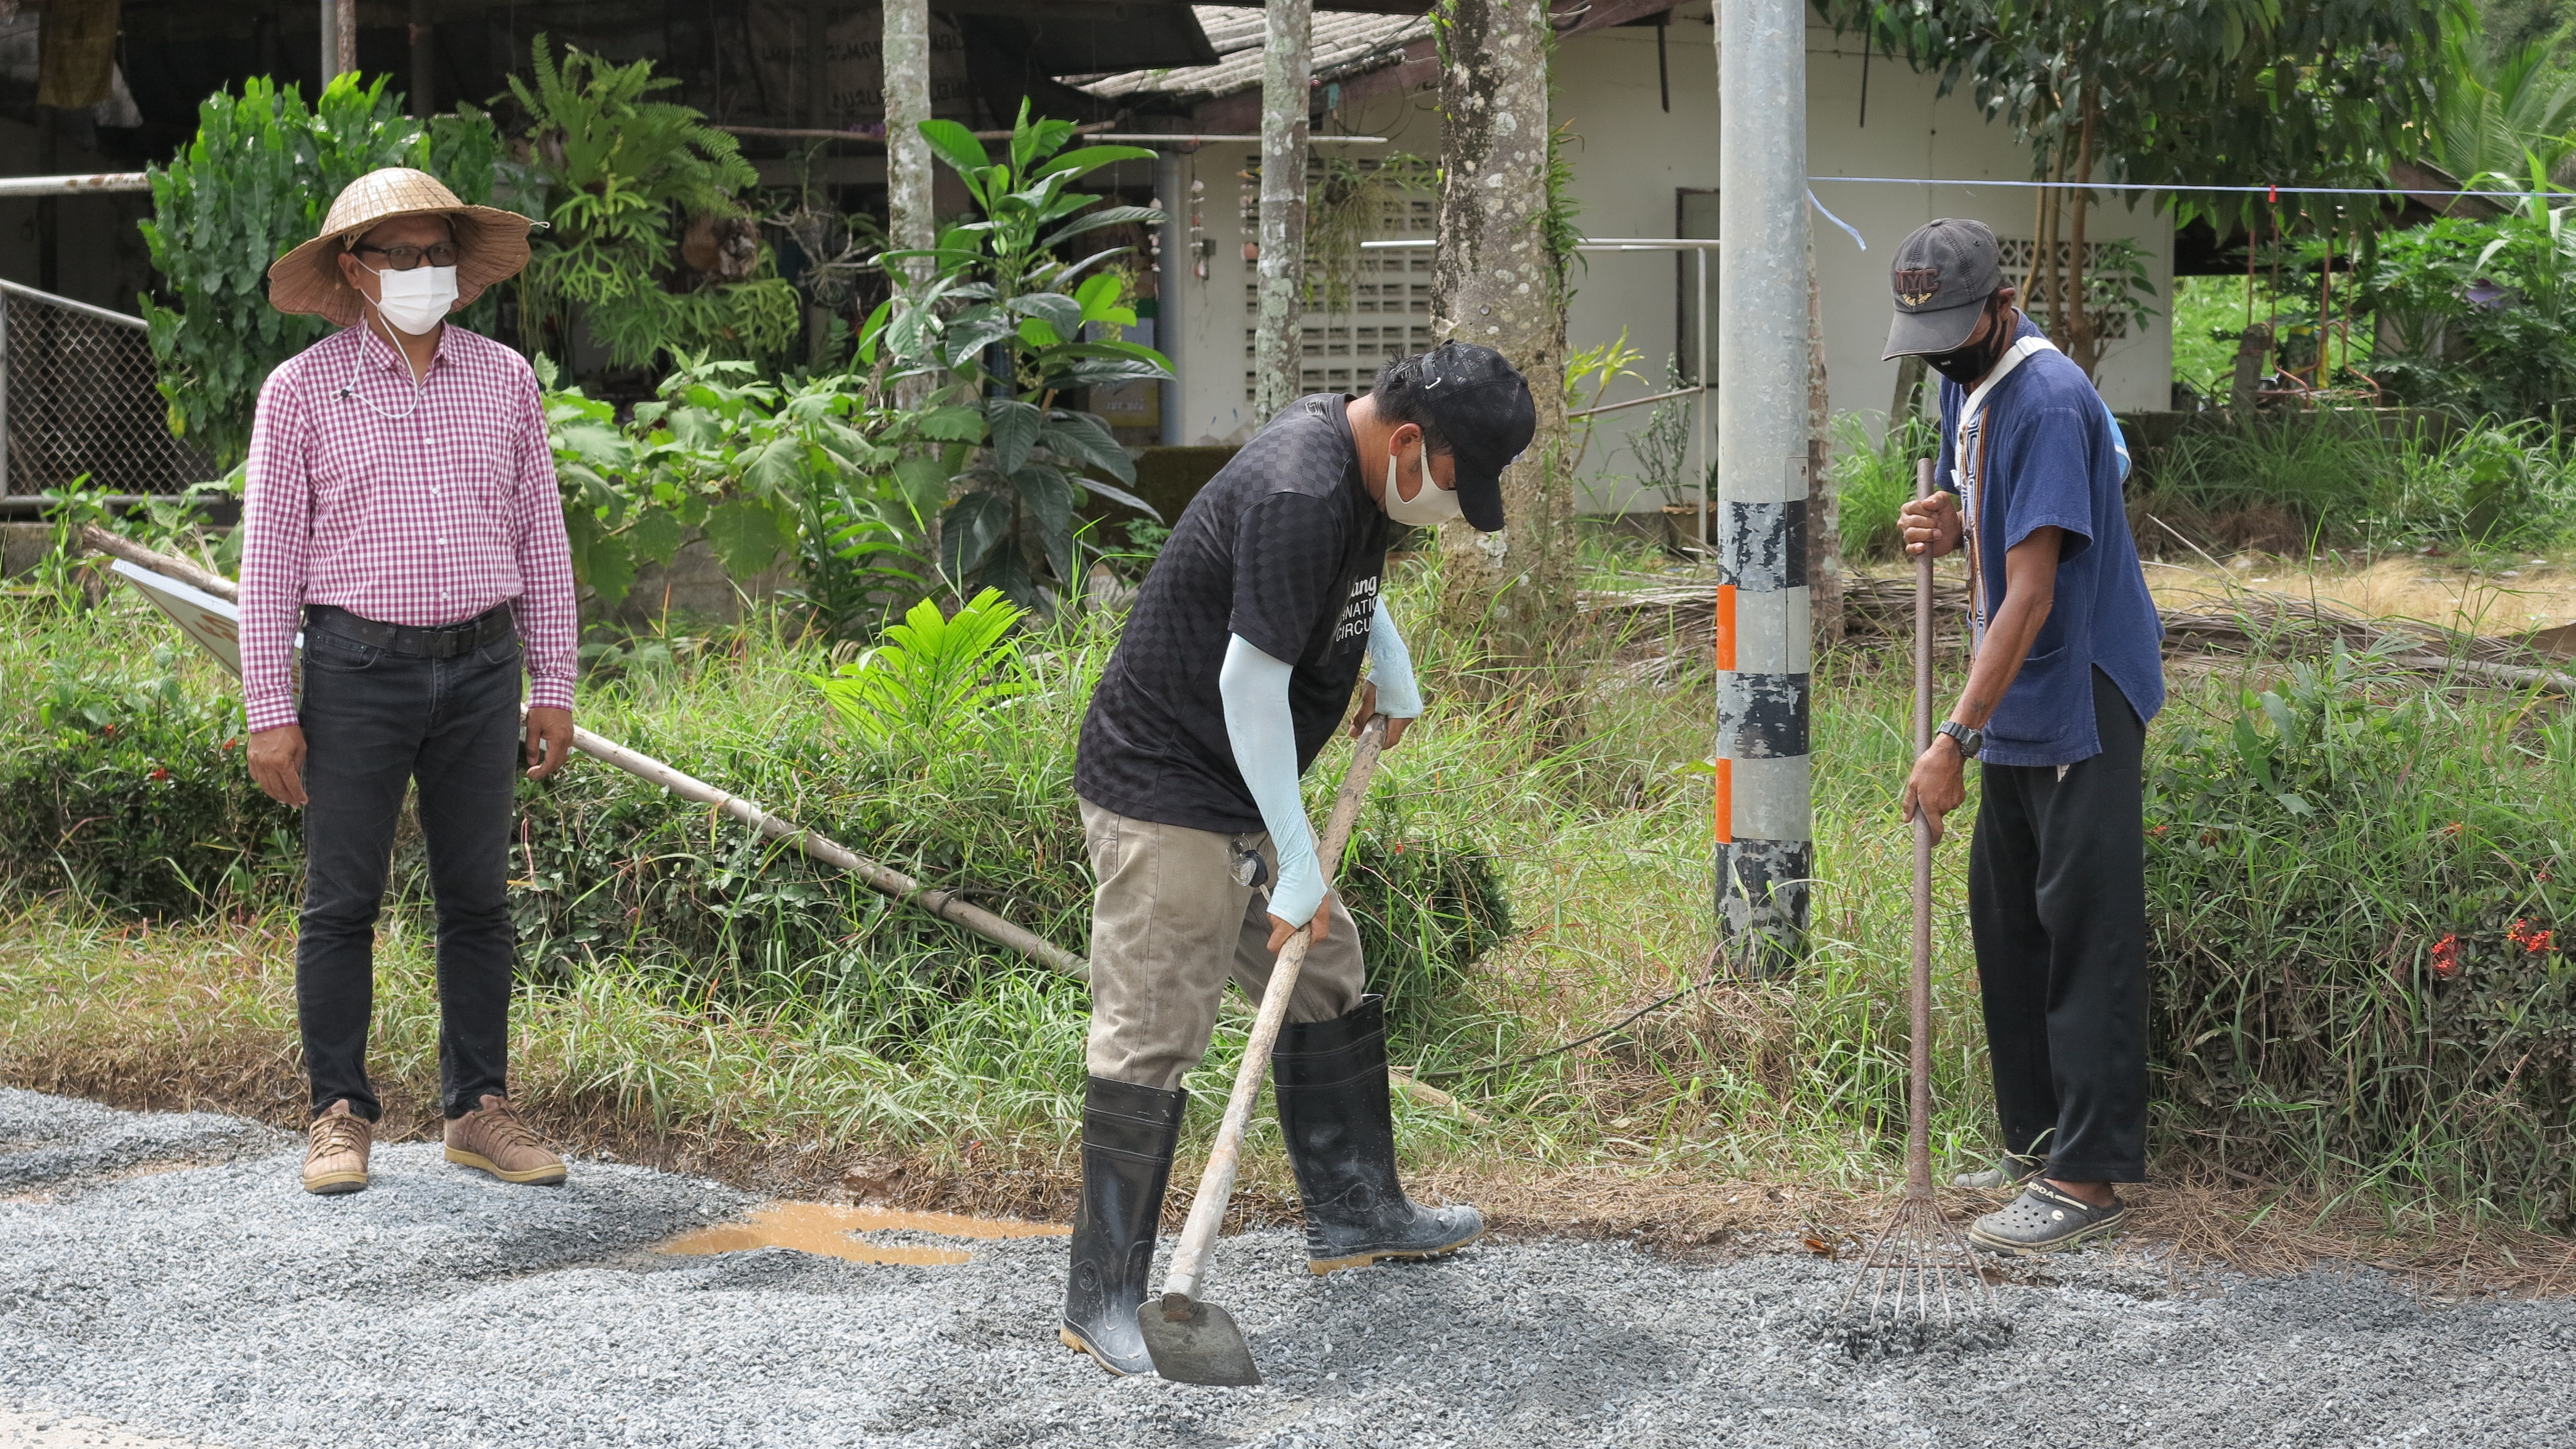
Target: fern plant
623	173
257	180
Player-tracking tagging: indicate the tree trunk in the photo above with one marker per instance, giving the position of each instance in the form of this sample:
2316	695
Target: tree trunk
1824	508
1497	283
1278	334
2083	342
909	224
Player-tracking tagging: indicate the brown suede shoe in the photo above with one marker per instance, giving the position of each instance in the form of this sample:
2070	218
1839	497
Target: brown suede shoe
494	1139
335	1152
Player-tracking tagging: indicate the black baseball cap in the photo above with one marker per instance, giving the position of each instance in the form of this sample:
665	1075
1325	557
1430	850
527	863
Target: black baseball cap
1482	405
1942	276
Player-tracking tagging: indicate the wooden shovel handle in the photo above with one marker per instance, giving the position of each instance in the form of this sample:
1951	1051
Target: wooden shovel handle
1216	1184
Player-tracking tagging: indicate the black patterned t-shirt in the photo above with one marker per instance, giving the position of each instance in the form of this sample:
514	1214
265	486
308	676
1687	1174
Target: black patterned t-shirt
1283	546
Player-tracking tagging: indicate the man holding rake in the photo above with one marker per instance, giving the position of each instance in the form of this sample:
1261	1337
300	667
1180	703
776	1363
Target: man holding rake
2066	673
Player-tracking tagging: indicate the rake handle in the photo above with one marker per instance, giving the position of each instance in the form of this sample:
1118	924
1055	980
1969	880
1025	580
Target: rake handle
1918	1088
1216	1183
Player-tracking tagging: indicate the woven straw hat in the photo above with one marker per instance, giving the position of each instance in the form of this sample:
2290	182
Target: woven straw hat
493	244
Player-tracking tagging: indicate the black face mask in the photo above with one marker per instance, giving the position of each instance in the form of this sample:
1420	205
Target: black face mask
1965	364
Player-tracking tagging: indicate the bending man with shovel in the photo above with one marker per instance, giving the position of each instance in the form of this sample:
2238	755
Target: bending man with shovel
1238	660
2066	674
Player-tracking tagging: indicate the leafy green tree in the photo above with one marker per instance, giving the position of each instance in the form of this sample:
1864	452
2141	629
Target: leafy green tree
258	180
1003	327
623	176
2177	93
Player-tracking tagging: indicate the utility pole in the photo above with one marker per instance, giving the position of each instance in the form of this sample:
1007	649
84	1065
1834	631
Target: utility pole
339	39
1286	78
1765	836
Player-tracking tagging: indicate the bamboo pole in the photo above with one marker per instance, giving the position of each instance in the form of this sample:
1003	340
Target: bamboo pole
876	875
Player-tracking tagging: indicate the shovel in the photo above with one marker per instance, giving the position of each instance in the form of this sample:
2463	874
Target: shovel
1195	1342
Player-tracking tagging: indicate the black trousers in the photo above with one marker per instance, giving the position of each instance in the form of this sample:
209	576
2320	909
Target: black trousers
2057	901
374	721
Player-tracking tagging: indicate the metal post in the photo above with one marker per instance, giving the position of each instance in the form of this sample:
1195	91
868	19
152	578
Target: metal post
1765	838
1172	193
4	395
1699	434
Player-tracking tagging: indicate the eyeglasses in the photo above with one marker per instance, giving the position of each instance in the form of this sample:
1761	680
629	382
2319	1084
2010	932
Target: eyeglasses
404	258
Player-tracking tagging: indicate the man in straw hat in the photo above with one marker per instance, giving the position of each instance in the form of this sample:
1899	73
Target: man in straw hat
402	509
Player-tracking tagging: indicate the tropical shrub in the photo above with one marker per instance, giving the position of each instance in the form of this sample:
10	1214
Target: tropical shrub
759	470
1002	326
129	791
2360	911
624	180
257	180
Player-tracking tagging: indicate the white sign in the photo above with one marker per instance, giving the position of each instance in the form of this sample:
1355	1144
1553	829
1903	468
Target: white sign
214	623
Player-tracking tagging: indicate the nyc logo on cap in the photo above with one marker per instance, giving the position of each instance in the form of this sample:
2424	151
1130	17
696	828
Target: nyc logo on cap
1917	285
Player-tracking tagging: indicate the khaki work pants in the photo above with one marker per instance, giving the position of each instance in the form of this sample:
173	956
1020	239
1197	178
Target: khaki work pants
1169	925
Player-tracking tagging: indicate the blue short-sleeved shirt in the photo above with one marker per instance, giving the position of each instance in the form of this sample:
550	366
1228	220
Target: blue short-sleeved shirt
2045	450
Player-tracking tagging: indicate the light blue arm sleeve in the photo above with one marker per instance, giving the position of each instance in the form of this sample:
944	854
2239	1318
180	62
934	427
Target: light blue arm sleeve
1254	688
1391	668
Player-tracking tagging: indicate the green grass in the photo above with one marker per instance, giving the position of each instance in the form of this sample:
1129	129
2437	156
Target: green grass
683	975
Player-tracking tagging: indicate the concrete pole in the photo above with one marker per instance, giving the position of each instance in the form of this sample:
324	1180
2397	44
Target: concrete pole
1765	839
1172	194
1278	339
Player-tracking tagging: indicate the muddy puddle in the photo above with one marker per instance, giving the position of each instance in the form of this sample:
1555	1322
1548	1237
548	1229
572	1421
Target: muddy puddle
830	1230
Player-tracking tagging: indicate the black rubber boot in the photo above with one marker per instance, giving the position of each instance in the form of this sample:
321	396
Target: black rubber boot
1333	1110
1127	1137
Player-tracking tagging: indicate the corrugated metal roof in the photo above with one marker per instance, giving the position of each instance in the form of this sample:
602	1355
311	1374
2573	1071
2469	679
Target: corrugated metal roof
1342	44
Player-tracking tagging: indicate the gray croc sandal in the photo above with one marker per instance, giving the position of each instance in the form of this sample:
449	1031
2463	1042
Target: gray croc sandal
2008	1171
2044	1220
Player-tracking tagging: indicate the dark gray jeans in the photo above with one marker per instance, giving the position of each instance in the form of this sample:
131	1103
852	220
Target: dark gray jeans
374	721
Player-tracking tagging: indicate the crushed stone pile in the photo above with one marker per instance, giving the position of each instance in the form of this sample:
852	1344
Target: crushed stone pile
46	1140
221	1306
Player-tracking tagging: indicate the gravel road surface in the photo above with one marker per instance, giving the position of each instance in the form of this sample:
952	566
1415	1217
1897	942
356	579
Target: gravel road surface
216	1304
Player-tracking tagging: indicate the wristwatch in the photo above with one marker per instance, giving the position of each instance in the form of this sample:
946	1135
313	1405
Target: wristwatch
1969	740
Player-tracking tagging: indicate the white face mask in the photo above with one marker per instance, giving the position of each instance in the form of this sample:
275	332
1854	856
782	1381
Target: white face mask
1430	506
416	301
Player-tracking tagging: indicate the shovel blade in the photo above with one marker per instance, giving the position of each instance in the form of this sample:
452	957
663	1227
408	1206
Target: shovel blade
1196	1343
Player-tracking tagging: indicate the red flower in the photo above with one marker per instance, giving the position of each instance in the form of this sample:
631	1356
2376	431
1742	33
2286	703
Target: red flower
108	730
2159	830
229	744
2446	957
2455	827
2529	939
160	774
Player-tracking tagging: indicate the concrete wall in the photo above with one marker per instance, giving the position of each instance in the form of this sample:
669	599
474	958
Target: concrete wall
1632	160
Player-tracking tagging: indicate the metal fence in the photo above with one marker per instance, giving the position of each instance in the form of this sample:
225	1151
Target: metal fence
77	396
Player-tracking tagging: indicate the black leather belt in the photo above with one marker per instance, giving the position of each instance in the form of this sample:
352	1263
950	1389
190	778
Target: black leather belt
446	641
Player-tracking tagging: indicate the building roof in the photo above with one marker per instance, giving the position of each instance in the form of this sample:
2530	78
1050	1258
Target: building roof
1342	43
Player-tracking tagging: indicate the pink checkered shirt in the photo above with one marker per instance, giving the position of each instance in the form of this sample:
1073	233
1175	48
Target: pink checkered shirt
419	520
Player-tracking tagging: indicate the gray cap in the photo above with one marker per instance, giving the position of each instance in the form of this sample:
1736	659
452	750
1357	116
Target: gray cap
1942	275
